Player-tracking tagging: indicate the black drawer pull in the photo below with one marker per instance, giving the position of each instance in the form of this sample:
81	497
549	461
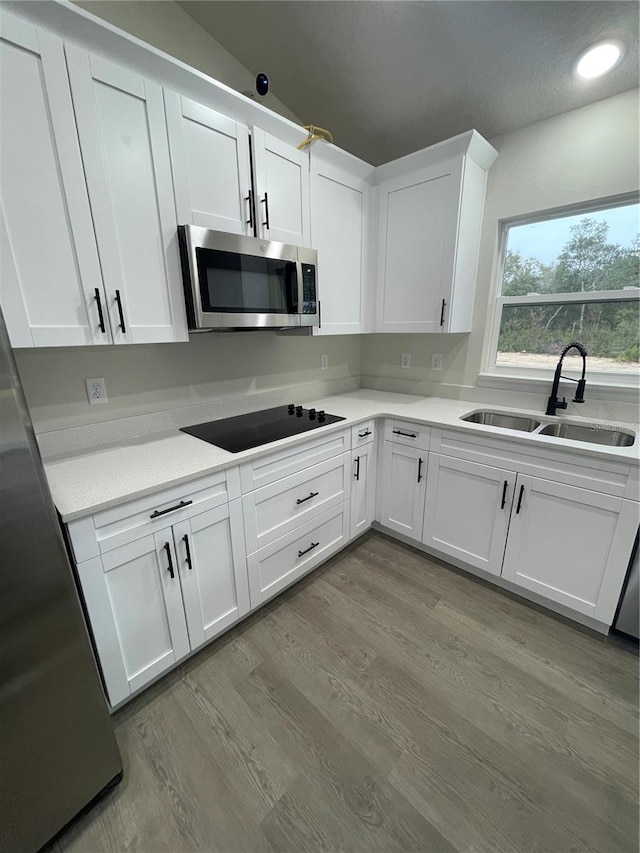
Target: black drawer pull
171	509
308	498
185	539
120	312
310	548
357	474
444	302
504	494
100	314
364	434
406	434
520	496
170	566
420	461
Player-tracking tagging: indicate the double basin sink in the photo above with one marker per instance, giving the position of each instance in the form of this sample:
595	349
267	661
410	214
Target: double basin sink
597	434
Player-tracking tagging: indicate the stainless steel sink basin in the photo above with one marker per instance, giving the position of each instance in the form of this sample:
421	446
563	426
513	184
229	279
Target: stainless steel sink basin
594	434
501	419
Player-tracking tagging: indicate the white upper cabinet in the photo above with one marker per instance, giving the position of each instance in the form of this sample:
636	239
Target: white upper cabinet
340	220
211	172
50	280
430	216
123	139
281	182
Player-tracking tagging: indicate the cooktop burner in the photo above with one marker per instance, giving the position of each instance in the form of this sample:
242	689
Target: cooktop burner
256	428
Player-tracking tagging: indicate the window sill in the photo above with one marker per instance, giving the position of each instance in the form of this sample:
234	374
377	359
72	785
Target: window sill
598	388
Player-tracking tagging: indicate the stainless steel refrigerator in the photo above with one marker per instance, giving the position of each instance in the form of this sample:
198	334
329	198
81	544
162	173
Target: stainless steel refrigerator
57	747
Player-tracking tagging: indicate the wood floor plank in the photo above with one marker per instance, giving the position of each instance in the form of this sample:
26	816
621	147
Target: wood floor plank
385	703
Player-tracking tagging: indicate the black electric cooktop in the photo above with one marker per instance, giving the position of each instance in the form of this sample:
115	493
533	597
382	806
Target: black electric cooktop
256	428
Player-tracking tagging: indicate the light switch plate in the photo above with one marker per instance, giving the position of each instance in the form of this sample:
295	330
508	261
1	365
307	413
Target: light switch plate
324	361
96	390
436	361
405	359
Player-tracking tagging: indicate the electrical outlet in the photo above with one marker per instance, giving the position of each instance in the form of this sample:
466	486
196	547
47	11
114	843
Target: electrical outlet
96	390
405	359
436	361
324	361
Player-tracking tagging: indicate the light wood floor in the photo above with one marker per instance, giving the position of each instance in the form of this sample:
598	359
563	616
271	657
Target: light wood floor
386	703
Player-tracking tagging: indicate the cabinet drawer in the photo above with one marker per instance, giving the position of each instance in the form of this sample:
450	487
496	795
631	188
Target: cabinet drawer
363	433
408	433
298	457
103	531
284	561
277	509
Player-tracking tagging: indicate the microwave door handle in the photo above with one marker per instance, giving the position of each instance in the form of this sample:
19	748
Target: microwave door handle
295	287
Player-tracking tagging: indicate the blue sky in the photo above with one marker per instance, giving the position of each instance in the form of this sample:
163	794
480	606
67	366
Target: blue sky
544	240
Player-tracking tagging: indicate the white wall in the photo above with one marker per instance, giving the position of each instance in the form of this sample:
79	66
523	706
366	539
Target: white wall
166	26
585	154
211	368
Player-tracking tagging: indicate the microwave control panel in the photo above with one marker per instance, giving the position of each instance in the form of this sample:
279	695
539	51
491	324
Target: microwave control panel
309	289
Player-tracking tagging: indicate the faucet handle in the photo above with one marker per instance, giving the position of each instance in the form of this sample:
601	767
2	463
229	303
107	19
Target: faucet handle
563	404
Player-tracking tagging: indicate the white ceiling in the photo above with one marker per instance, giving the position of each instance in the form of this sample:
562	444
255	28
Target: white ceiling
390	77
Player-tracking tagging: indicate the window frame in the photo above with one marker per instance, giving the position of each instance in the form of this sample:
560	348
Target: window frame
514	377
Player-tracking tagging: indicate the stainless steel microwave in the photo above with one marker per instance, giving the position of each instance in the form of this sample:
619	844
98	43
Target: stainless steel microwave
236	282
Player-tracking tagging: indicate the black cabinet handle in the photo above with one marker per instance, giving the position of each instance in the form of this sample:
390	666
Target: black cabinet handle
420	461
444	302
171	509
357	474
406	434
504	494
310	548
185	539
167	548
265	201
100	314
520	500
249	199
364	434
120	312
308	497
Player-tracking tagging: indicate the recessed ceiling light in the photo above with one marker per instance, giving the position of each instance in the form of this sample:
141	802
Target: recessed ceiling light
598	60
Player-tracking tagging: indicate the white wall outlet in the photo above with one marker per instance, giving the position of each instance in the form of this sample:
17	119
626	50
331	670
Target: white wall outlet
324	361
405	359
96	390
436	361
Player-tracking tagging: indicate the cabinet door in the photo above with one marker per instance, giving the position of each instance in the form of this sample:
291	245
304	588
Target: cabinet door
213	571
404	471
123	138
416	247
281	181
135	609
49	268
210	162
339	222
467	511
570	545
363	488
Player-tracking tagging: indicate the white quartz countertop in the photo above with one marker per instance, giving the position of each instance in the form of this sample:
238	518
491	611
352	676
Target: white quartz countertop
107	476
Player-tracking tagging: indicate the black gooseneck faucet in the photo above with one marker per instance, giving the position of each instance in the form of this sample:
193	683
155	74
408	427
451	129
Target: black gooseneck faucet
554	403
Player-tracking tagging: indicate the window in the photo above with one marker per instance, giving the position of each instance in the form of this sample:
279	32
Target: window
565	277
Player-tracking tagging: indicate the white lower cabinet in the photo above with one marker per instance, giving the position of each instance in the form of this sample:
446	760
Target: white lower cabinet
134	601
570	545
404	471
154	600
467	511
363	488
276	566
210	553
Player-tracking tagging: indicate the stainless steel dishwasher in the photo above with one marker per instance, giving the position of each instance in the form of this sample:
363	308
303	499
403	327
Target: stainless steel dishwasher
628	618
